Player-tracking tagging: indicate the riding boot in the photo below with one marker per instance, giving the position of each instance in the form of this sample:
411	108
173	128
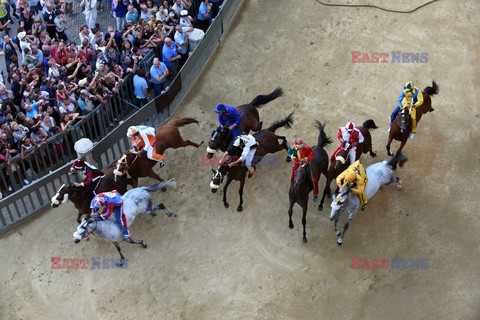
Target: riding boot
364	207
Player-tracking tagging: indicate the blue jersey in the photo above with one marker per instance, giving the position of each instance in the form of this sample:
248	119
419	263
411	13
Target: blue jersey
232	117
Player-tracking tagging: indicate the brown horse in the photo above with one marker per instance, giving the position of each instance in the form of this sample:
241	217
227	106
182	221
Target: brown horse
402	126
82	196
167	136
267	142
250	121
301	186
341	158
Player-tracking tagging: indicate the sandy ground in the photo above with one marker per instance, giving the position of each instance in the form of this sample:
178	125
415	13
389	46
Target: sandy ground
214	263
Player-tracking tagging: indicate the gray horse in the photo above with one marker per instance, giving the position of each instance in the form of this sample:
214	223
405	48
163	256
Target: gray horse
135	201
379	174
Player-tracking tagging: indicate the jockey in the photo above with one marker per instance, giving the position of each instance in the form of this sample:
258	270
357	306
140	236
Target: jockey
411	98
91	173
229	117
301	153
248	145
355	174
143	139
349	138
105	203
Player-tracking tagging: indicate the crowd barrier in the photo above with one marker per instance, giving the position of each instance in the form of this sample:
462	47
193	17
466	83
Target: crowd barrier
53	159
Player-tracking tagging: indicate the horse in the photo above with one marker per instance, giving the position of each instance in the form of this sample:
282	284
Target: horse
250	122
402	125
379	174
301	186
135	201
341	158
82	196
267	142
167	136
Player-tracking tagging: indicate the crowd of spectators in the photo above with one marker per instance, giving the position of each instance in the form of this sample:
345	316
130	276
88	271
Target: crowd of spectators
50	82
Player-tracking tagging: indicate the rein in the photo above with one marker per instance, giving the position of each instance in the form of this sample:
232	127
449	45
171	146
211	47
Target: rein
131	164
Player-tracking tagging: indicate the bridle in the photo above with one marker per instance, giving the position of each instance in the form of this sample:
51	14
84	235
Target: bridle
123	160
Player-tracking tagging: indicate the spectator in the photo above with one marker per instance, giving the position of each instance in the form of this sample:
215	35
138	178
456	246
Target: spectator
49	18
144	13
215	7
26	21
119	8
90	12
158	73
170	58
60	22
180	5
86	33
186	21
181	37
203	17
132	15
8	48
84	102
140	88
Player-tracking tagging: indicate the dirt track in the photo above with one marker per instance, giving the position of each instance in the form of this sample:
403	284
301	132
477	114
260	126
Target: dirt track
214	263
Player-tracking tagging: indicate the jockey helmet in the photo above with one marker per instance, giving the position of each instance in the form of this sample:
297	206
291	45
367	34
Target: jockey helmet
409	86
78	165
299	143
238	140
220	108
131	131
98	204
350	126
350	176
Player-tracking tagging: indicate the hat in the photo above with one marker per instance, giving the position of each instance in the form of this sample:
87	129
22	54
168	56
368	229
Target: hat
299	143
31	66
82	82
21	35
184	13
131	131
409	86
220	108
78	165
350	126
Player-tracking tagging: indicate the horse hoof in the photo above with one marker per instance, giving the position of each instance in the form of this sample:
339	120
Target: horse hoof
120	263
304	240
320	207
373	154
288	159
339	242
163	189
226	205
239	209
144	244
290	225
338	233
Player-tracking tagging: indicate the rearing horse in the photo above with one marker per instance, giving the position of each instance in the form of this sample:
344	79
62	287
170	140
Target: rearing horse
341	161
402	125
167	136
250	121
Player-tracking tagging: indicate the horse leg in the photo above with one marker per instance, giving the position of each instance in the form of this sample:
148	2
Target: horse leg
390	138
325	192
162	207
154	175
240	192
345	227
134	182
290	212
337	217
141	242
79	217
304	221
122	258
190	143
225	187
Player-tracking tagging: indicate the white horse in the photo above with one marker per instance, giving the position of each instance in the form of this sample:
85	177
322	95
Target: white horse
135	201
379	174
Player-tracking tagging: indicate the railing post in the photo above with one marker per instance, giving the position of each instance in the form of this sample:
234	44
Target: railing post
84	148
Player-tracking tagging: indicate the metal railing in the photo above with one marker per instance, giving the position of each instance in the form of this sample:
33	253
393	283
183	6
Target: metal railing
110	142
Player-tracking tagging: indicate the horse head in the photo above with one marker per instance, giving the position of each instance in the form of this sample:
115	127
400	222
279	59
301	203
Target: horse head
60	197
82	231
340	158
403	120
217	178
299	176
338	202
220	139
120	168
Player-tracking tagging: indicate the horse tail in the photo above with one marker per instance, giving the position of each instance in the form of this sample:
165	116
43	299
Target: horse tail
287	123
369	125
399	158
180	122
323	139
434	89
262	99
171	183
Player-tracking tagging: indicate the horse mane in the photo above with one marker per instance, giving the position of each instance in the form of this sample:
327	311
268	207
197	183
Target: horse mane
399	158
180	122
369	124
434	89
323	139
287	123
262	99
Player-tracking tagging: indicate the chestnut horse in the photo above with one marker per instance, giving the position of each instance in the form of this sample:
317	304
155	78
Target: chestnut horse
267	142
301	186
167	136
341	161
402	125
250	121
82	196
